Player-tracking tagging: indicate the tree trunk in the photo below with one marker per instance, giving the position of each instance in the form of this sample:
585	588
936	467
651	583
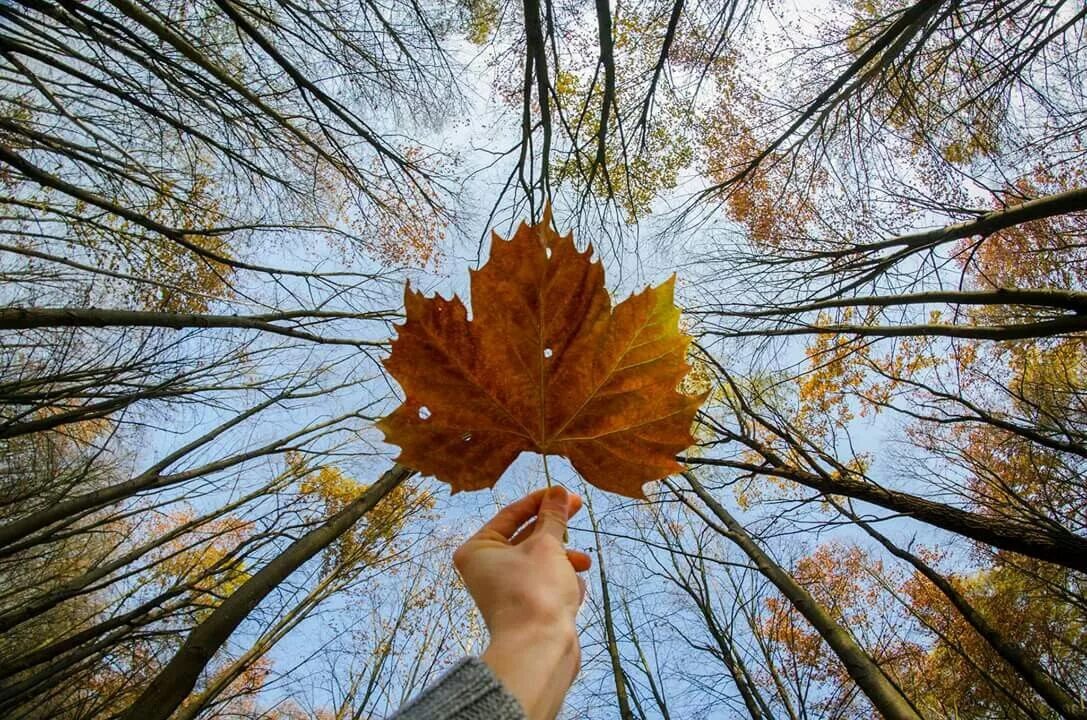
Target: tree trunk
609	625
1031	672
1055	545
884	695
175	681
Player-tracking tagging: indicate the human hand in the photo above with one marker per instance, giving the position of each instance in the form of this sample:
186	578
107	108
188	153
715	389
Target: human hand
526	586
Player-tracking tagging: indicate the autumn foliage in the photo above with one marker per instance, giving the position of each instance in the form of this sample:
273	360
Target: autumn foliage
878	209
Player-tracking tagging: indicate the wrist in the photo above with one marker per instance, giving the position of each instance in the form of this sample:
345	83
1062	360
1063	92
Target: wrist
536	665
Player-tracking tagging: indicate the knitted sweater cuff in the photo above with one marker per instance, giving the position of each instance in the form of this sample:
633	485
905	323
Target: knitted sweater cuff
468	691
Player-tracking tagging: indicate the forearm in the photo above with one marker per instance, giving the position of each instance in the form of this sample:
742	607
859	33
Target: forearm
536	666
469	691
525	583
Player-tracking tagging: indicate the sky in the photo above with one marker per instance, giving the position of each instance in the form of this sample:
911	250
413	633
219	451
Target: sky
487	123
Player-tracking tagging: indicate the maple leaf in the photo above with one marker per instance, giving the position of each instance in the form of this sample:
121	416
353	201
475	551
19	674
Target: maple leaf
546	364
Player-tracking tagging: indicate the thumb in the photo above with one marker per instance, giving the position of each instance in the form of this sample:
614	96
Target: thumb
551	519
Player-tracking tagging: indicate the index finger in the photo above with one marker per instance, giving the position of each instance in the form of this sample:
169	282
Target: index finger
514	515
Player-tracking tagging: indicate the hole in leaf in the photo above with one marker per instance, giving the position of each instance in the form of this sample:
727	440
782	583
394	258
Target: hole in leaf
424	412
547	352
466	437
548	251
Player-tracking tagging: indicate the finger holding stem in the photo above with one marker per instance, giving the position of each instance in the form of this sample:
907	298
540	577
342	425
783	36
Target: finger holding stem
547	476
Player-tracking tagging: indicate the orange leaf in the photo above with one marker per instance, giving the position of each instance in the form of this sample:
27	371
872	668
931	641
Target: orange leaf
544	365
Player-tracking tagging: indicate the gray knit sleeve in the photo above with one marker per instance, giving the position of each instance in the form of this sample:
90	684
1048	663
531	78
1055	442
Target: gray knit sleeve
468	691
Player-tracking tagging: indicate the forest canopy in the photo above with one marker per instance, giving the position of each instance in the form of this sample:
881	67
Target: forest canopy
875	213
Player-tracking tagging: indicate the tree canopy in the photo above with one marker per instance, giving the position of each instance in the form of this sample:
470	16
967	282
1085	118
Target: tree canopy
876	215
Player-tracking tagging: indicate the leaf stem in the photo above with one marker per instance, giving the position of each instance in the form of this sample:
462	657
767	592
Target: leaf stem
547	475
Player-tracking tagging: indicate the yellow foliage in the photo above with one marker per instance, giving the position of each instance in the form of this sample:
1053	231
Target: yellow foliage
331	485
566	85
405	229
635	172
845	367
952	678
699	380
83	432
186	281
776	201
837	370
202	557
366	542
482	19
1049	378
634	176
952	107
